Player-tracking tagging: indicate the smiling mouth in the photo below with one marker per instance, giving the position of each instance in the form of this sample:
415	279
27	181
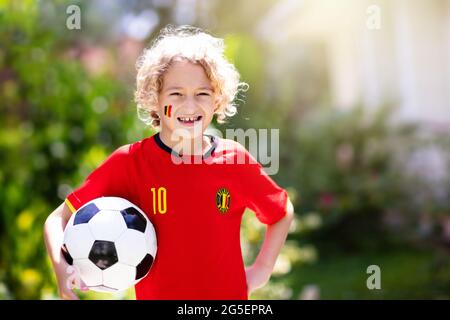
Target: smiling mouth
189	120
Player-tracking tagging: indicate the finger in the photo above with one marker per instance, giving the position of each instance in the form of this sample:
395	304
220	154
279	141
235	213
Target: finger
83	286
72	285
69	295
72	295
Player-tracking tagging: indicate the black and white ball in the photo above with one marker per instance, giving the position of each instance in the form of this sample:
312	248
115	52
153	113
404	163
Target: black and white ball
111	243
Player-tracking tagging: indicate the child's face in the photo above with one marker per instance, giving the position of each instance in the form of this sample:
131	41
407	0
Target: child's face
186	100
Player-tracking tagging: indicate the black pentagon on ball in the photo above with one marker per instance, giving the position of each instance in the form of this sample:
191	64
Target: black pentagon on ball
103	254
66	254
144	266
85	214
134	219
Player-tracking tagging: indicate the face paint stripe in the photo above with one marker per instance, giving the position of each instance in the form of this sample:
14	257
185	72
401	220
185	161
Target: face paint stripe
168	110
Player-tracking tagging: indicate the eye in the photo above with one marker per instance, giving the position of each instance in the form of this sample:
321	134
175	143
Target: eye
175	94
203	94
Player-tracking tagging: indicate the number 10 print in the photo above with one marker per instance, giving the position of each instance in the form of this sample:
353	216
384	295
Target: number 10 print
160	198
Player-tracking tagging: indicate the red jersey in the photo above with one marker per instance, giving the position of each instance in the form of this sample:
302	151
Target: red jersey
196	209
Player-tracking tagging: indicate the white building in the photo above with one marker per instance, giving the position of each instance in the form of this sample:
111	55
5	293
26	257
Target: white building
377	52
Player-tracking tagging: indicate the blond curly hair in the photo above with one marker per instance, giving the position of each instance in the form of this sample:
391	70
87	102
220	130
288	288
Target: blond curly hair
194	45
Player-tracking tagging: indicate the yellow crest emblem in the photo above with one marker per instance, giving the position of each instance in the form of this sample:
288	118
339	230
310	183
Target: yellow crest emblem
223	200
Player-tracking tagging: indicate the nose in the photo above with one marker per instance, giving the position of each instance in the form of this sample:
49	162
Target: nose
189	106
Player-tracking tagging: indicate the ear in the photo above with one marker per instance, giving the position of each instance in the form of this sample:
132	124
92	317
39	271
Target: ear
155	113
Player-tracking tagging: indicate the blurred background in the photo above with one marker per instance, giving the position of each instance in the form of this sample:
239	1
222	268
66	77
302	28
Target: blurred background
360	91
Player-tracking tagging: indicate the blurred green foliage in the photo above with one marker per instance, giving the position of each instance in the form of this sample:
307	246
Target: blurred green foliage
58	123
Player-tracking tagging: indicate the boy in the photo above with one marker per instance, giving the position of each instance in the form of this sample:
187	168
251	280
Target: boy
193	187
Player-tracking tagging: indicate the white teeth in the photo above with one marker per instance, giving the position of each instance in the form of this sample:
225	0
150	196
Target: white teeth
191	119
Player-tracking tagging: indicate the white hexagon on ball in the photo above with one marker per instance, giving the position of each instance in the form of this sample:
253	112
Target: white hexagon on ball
131	247
112	203
79	241
119	276
89	272
151	242
107	225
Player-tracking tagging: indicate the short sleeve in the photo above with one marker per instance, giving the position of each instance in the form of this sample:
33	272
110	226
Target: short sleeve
261	192
108	179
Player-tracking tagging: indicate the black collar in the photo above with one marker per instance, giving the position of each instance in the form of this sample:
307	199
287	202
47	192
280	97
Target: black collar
214	141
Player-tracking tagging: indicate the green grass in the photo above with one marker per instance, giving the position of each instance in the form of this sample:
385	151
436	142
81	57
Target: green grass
405	274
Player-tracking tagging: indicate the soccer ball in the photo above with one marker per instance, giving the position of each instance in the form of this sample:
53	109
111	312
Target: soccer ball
111	244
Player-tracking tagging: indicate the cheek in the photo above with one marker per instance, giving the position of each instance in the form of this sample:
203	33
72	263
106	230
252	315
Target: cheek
207	103
209	111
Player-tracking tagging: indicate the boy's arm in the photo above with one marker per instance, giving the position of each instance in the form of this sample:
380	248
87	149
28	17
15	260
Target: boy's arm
54	237
259	273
